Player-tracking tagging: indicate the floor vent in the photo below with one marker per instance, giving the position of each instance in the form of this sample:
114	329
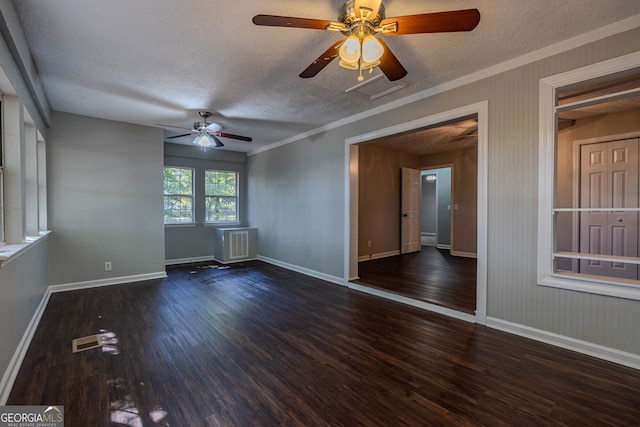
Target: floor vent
86	343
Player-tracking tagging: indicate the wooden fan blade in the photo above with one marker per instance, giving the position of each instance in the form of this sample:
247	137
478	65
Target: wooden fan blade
389	64
288	21
439	22
218	142
232	136
322	61
178	136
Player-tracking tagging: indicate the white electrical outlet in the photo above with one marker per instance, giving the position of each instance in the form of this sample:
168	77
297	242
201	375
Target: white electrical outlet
107	266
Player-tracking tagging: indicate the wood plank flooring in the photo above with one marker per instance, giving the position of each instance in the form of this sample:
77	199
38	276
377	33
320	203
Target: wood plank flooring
431	275
257	345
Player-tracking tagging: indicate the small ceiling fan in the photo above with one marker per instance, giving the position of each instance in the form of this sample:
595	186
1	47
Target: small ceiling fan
361	21
208	133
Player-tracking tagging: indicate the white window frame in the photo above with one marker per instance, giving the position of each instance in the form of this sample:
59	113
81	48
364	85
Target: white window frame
546	276
237	197
193	200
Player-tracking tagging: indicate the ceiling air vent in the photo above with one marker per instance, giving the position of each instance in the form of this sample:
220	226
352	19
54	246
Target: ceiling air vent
376	87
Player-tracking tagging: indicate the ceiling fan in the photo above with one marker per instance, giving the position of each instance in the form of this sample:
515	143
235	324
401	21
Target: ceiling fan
208	133
361	21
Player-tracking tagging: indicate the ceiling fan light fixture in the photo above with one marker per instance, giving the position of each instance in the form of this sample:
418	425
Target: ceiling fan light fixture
349	65
369	65
350	49
204	140
372	50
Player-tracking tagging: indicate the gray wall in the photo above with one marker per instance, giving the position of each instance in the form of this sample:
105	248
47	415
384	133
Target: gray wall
297	196
24	280
186	242
105	199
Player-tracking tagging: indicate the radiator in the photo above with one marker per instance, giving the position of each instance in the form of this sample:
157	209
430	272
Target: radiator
238	244
235	244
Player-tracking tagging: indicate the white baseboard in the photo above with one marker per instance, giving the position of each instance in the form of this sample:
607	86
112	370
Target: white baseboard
107	282
601	352
11	373
481	317
464	254
233	261
306	271
188	260
443	246
378	255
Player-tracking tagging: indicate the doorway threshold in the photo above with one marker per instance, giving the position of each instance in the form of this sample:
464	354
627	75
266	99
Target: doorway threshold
460	315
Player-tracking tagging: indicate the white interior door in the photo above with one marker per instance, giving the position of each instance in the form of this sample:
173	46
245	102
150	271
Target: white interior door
609	179
410	204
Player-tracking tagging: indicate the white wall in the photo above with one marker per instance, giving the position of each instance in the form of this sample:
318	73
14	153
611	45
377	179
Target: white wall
105	199
297	195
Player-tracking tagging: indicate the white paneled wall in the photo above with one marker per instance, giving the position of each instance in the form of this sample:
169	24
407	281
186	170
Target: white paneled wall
514	297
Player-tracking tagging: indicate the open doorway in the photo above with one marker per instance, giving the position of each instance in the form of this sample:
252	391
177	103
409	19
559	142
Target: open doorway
377	166
435	207
422	160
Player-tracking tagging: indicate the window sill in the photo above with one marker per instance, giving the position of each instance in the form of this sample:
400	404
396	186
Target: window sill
11	251
222	224
181	224
627	289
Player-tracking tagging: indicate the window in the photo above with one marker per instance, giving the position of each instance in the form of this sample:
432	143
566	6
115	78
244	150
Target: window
589	183
221	196
178	195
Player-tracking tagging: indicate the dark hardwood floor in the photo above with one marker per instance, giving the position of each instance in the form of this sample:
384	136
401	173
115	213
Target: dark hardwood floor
431	275
257	345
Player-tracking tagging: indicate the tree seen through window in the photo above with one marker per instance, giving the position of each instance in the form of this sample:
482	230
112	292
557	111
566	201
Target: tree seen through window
221	192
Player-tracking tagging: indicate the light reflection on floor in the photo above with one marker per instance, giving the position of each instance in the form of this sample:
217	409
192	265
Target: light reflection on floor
109	342
124	411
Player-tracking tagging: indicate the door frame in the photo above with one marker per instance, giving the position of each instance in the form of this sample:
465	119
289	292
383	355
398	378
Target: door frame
450	166
481	110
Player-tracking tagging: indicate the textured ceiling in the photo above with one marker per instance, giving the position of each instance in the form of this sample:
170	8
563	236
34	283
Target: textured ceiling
435	139
161	61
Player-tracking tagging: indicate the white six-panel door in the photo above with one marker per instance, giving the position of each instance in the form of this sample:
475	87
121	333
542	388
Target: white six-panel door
609	179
